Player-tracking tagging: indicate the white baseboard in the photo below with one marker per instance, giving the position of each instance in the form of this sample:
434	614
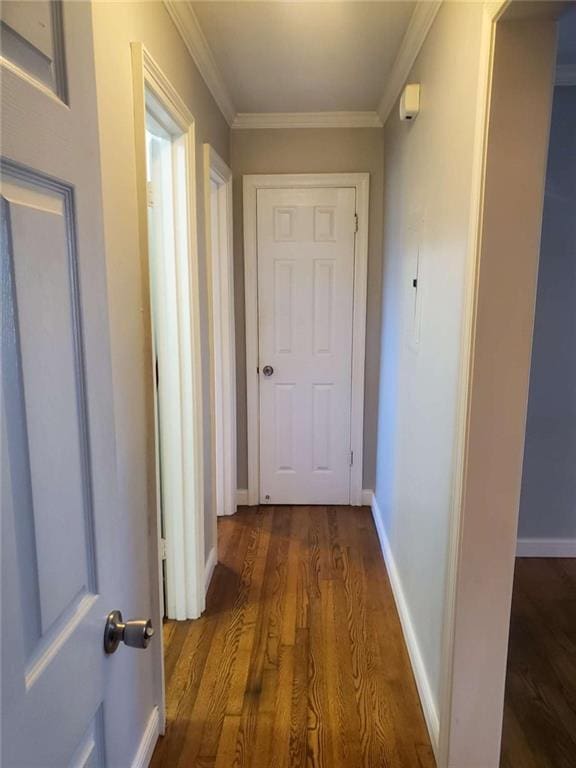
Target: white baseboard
546	548
148	742
367	494
418	667
209	568
242	497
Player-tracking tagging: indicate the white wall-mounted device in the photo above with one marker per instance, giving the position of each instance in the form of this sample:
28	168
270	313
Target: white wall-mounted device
410	102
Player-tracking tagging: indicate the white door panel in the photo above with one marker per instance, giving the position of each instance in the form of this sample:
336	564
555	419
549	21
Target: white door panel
51	542
60	559
305	308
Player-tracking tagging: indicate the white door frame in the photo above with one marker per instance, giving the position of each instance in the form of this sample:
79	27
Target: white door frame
494	376
220	272
184	525
251	185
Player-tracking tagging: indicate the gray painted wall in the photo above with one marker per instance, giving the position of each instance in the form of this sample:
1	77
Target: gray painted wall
427	203
548	500
314	150
116	25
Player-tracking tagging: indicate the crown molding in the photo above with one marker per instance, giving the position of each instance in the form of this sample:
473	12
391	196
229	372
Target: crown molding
183	16
251	120
419	26
565	74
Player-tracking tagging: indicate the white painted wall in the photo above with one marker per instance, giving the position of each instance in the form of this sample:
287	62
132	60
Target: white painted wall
427	201
548	500
116	25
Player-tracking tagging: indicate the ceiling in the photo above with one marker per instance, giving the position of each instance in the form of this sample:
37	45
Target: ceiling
304	56
311	63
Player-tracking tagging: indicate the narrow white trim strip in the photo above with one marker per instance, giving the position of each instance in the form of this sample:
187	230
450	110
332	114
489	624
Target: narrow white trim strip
251	120
367	494
148	742
218	233
546	548
419	26
242	497
211	563
410	638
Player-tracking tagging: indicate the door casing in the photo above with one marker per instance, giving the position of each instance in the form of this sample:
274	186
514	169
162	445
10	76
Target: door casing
517	45
220	272
251	185
148	78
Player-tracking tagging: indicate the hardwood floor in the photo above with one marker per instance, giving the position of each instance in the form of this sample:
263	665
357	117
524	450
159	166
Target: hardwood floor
540	704
299	659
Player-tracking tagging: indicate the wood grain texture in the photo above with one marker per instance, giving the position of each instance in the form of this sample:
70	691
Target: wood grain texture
540	704
299	660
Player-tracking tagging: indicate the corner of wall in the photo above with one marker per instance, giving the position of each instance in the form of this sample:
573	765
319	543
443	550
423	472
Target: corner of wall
427	699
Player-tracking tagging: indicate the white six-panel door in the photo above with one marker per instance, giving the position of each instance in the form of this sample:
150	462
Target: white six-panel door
305	241
60	558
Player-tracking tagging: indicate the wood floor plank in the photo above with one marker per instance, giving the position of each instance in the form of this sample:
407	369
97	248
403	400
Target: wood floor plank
299	707
299	660
228	754
373	708
411	746
210	705
319	733
540	704
239	679
185	727
255	732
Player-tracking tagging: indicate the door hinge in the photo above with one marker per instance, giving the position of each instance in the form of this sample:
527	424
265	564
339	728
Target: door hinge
355	222
149	194
162	549
351	458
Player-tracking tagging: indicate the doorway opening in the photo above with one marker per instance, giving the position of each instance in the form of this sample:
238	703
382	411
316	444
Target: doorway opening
165	143
179	483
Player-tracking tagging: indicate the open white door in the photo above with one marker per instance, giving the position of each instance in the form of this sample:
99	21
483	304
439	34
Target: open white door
60	560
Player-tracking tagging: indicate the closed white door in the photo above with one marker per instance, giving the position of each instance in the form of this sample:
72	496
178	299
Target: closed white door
305	308
60	560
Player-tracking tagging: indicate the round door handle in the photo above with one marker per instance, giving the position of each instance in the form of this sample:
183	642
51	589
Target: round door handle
267	370
135	633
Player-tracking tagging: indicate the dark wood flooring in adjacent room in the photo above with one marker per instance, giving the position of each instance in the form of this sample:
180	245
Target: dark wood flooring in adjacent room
540	705
299	659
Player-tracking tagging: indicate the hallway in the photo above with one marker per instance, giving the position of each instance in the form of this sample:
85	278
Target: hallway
299	658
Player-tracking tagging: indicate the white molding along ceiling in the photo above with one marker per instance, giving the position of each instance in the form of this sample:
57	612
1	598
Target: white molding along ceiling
307	120
565	74
187	24
418	28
